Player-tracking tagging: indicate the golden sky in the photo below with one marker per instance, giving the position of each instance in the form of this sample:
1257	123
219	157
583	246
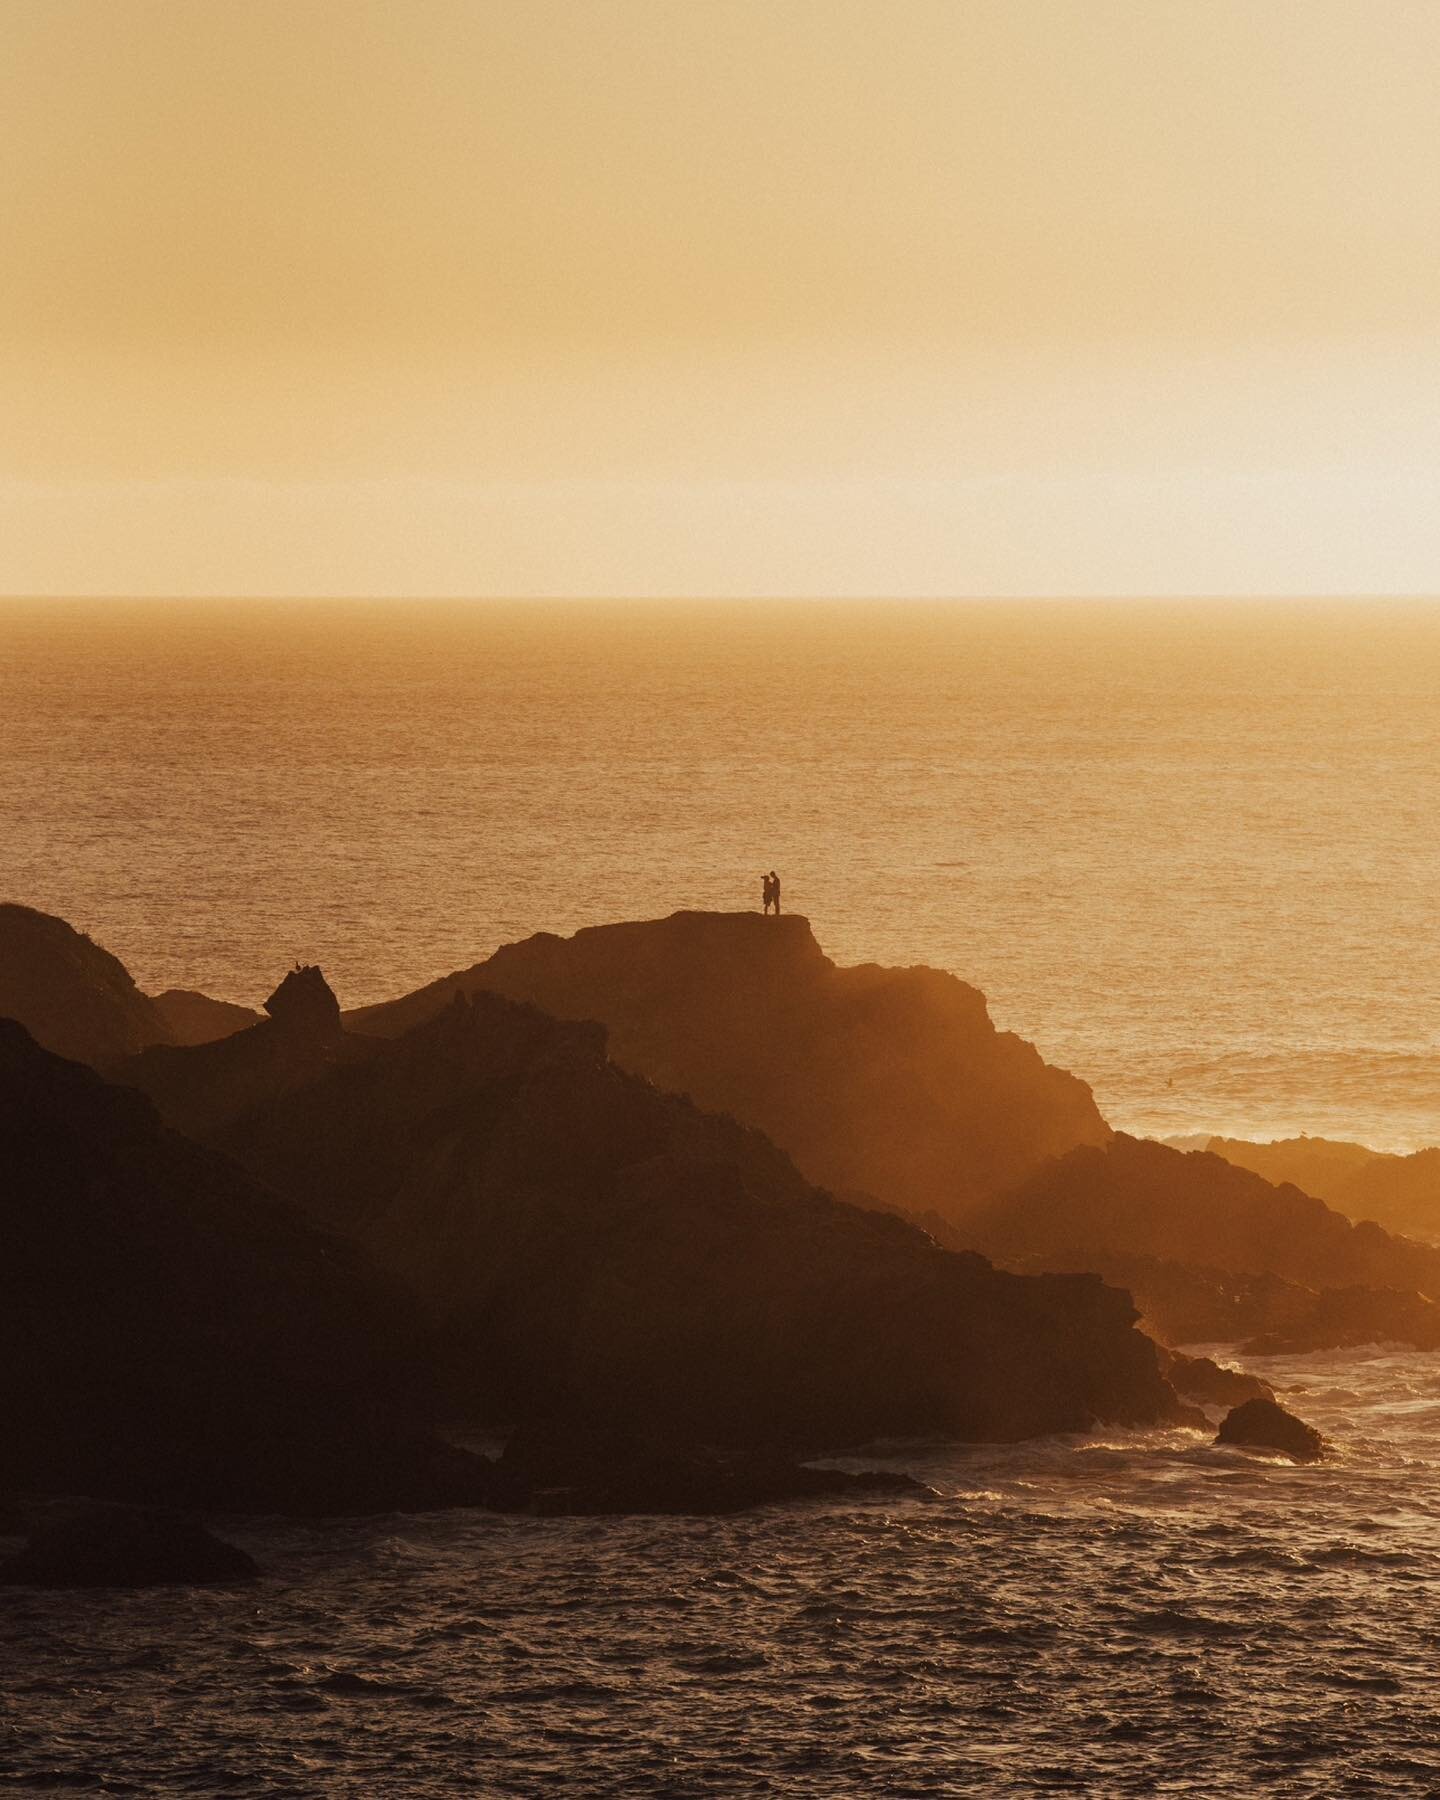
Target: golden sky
719	296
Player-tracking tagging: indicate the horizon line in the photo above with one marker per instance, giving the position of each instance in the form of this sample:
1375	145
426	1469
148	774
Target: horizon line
1264	598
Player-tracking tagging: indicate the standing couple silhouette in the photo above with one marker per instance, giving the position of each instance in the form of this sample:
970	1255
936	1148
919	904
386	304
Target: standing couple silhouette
770	891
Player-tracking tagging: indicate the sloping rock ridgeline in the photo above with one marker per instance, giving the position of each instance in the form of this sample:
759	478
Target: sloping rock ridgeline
194	1018
586	1245
73	997
78	1000
1401	1193
891	1083
1211	1250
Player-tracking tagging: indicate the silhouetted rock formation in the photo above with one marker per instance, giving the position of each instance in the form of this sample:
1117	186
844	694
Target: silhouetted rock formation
69	994
1184	1217
1202	1379
1264	1425
169	1331
1401	1193
884	1082
197	1019
563	1470
588	1247
125	1546
199	1088
304	1006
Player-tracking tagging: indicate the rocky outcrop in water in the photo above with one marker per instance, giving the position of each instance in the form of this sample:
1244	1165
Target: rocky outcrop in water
125	1546
171	1332
1202	1379
1401	1193
588	1247
1265	1425
71	996
884	1082
193	1018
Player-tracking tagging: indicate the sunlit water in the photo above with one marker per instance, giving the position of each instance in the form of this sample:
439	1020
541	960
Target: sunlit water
1128	1615
1193	851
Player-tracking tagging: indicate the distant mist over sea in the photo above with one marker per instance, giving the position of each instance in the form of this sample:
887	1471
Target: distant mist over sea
1191	849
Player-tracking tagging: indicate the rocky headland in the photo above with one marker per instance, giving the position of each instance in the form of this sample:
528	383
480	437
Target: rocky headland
683	1187
585	1244
888	1083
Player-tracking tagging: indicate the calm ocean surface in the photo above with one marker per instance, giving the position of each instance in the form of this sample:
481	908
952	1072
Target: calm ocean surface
1191	850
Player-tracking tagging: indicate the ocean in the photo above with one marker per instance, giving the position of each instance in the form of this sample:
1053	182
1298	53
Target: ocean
1123	1614
1190	849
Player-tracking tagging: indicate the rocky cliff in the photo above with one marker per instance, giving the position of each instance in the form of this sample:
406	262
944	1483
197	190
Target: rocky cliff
585	1245
170	1330
72	996
885	1082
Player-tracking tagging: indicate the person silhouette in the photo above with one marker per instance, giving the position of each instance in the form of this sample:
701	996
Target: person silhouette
772	892
766	894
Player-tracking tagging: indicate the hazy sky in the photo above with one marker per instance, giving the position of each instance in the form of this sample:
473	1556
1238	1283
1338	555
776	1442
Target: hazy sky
719	296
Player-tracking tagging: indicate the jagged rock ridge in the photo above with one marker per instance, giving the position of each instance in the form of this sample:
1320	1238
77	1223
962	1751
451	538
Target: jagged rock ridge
589	1246
884	1082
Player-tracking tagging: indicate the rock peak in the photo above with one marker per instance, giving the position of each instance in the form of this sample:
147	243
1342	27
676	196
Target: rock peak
304	1004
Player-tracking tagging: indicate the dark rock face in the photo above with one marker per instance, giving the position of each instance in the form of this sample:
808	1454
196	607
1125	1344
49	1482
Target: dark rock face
1264	1425
171	1332
125	1546
588	1247
884	1082
304	1005
1209	1383
199	1088
569	1471
1211	1250
72	996
197	1019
